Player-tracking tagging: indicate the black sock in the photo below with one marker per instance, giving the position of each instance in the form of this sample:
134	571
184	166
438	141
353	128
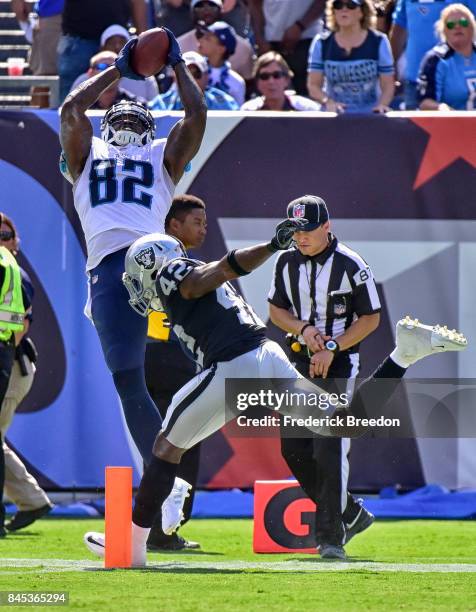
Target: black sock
389	369
154	488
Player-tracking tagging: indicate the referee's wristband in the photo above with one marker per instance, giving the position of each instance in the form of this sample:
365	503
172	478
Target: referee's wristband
305	326
234	265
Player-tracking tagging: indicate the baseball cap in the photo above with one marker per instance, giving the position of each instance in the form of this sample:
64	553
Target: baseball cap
224	32
217	2
192	57
114	30
311	208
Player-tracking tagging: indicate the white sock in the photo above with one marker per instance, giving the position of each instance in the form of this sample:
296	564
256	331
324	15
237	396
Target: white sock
397	357
139	545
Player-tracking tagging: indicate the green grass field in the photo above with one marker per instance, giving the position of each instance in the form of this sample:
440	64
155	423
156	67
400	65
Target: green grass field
226	575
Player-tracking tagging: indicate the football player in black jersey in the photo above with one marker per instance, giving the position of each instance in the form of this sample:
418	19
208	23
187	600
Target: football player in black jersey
228	340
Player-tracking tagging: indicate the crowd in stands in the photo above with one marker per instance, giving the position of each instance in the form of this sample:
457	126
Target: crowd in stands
344	56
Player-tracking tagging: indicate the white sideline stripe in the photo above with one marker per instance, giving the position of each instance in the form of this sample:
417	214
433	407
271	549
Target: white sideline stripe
313	565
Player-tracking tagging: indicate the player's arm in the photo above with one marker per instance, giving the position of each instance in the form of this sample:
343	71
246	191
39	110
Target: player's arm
76	130
234	264
186	136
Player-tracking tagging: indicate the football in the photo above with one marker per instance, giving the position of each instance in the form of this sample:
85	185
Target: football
150	53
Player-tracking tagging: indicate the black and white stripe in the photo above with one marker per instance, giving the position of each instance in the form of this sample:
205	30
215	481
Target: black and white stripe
297	278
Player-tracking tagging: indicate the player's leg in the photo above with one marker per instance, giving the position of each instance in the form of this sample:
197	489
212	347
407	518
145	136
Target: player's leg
122	333
414	341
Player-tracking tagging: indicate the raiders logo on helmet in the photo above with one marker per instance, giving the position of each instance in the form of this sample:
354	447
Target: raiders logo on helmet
146	258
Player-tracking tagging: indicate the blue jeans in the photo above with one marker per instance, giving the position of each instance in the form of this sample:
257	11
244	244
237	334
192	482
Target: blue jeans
74	54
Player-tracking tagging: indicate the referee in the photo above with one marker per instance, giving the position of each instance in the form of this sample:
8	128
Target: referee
324	296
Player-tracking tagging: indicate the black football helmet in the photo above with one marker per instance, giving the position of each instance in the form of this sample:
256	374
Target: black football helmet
128	122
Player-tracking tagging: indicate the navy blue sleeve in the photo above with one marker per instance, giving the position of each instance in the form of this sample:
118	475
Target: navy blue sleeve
427	77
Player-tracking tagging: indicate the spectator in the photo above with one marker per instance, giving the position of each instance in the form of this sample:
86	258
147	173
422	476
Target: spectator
20	487
414	30
272	79
208	12
46	34
384	10
215	98
83	23
447	78
351	67
176	15
115	37
217	42
287	26
114	93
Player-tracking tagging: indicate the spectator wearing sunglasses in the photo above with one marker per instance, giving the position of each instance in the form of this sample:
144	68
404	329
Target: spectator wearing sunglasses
114	37
413	31
205	13
20	486
272	80
288	27
214	98
447	79
351	67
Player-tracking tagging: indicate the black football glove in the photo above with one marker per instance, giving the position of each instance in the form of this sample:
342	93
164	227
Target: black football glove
174	56
123	61
284	233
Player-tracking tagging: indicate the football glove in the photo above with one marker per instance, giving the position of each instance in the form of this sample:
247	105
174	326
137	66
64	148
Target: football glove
175	54
123	61
284	233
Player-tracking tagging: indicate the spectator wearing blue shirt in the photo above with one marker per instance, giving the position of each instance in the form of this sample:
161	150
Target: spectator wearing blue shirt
351	67
414	31
447	77
215	98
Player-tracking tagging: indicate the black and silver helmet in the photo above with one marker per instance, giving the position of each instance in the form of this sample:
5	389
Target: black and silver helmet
128	122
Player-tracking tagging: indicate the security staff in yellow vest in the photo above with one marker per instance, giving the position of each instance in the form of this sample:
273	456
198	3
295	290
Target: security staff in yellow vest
167	368
12	313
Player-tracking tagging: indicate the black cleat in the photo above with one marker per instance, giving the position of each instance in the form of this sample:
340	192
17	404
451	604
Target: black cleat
171	543
362	521
23	518
332	551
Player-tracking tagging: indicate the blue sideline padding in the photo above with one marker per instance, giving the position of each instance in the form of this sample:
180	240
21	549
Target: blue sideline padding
430	502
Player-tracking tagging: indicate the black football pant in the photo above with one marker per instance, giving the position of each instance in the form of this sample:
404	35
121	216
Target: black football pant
7	354
320	465
168	369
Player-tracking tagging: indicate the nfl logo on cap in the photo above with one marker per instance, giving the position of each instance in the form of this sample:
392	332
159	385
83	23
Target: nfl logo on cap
299	211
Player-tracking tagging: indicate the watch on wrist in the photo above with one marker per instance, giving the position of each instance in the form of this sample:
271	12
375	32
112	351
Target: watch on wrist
332	346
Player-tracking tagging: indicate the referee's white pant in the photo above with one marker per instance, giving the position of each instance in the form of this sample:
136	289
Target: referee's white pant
198	409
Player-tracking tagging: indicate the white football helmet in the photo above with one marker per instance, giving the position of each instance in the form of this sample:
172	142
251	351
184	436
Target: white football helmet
144	260
126	123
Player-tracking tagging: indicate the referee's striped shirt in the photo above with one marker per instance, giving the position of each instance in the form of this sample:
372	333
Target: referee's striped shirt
340	281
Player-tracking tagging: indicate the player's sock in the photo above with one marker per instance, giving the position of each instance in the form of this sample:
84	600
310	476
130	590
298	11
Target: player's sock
154	488
142	417
392	367
139	545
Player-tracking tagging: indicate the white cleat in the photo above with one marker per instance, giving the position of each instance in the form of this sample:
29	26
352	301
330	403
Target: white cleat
416	340
172	508
95	542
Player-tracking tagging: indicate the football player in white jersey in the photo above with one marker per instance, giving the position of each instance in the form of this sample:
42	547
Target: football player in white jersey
123	186
224	335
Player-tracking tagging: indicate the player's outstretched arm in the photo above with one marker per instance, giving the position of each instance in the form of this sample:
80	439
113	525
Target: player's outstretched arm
186	136
238	263
76	130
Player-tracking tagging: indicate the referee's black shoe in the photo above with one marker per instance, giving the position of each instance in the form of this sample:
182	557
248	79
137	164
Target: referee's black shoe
362	521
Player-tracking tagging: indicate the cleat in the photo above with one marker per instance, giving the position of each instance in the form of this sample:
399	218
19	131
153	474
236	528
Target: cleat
332	551
95	542
172	508
416	340
362	521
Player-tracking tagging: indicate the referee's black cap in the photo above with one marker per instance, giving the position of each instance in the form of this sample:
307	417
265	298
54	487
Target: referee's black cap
311	208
